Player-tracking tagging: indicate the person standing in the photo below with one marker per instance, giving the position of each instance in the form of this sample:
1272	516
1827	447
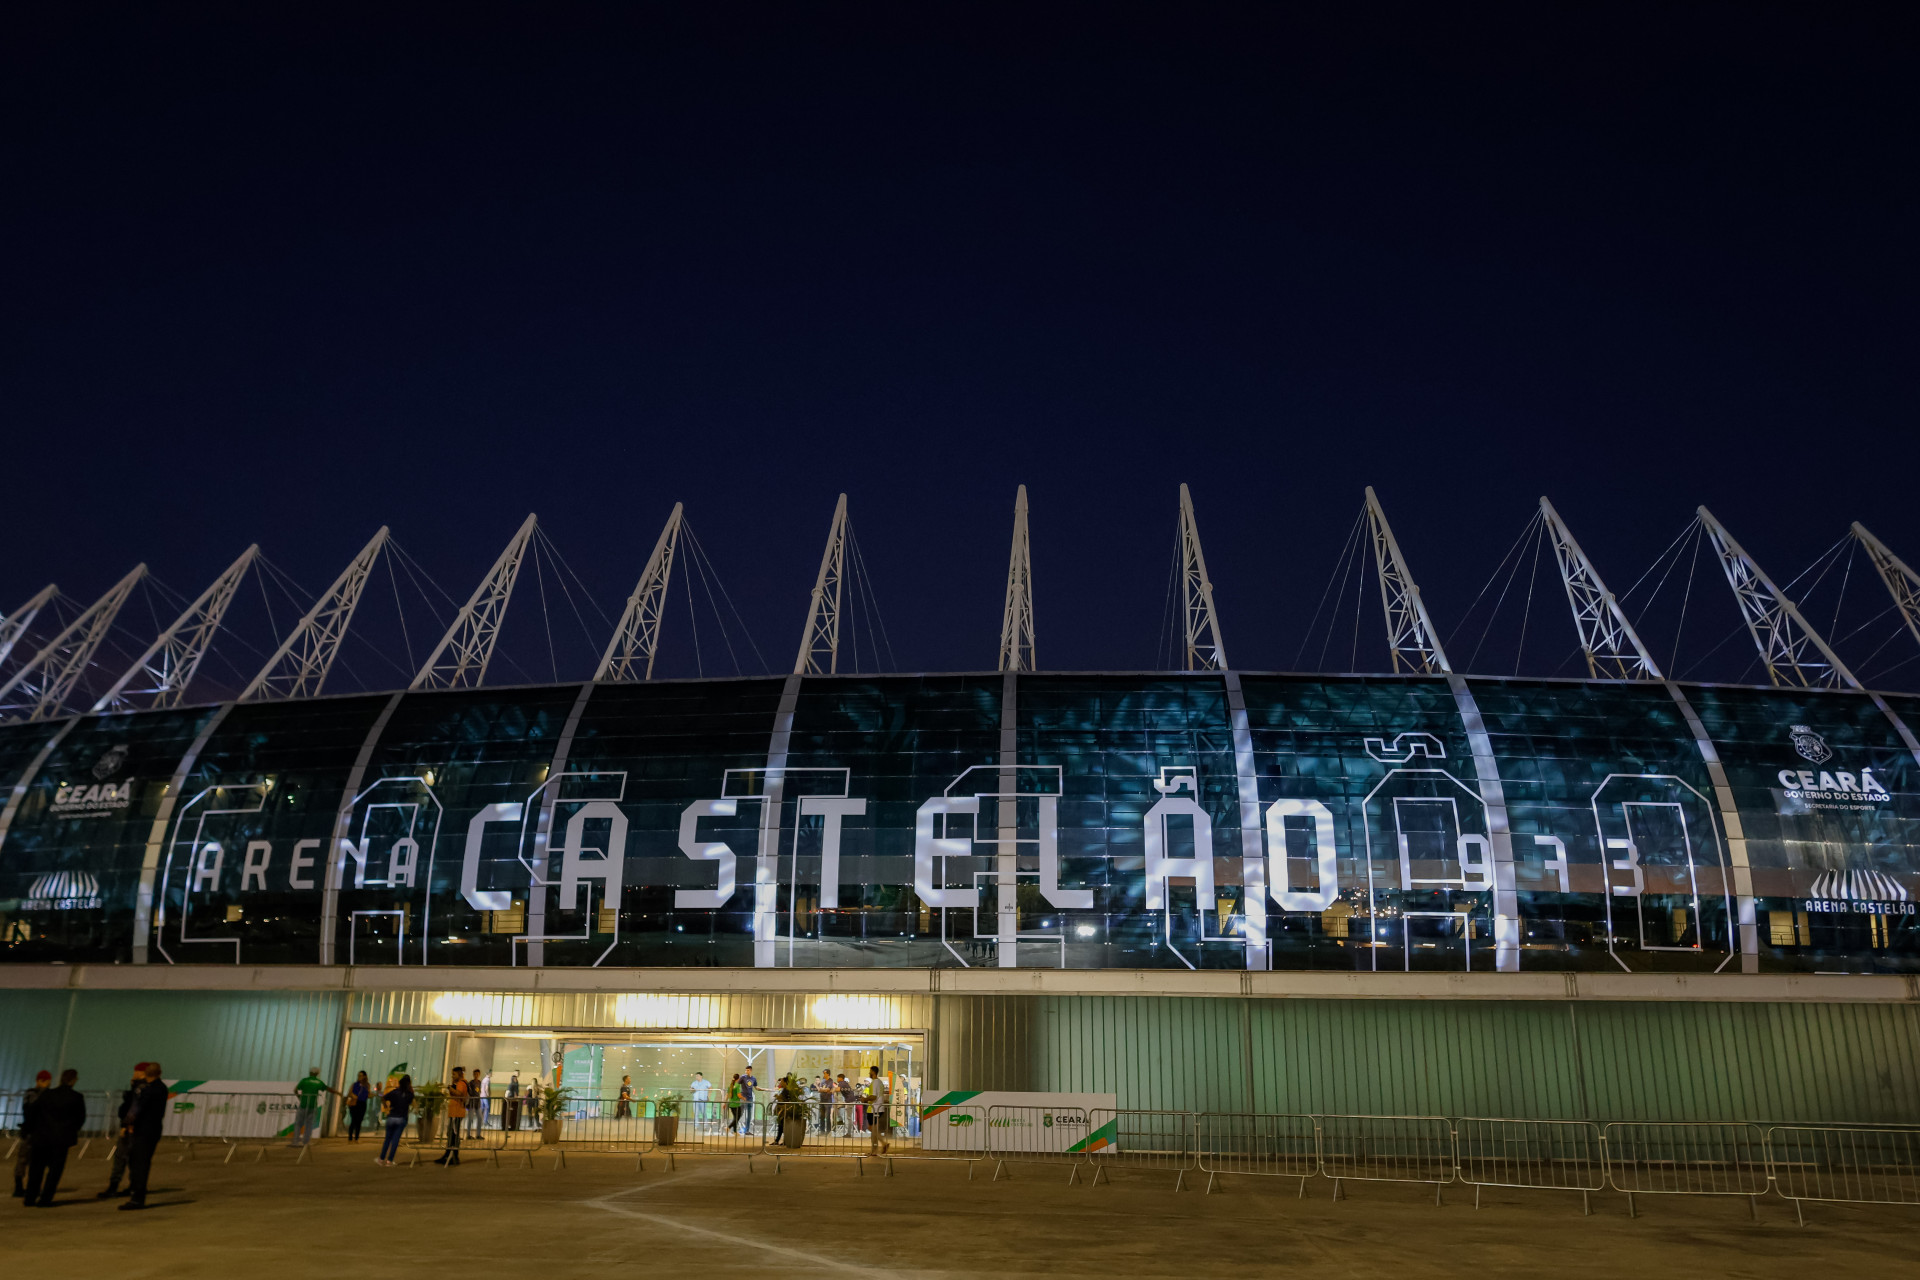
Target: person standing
398	1102
482	1104
747	1085
878	1131
533	1103
823	1090
357	1096
143	1123
123	1137
59	1115
700	1090
733	1104
311	1091
510	1116
457	1095
849	1098
22	1148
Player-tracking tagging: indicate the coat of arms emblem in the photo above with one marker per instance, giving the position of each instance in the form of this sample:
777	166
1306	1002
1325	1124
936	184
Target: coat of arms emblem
110	761
1812	747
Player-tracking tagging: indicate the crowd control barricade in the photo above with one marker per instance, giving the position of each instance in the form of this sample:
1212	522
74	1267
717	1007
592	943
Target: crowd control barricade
1552	1155
835	1129
1267	1145
1037	1135
1387	1149
1854	1164
1687	1159
237	1122
1135	1139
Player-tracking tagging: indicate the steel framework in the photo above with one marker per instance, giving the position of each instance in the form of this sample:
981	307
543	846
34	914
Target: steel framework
14	625
1205	652
1611	644
1902	582
39	690
636	640
163	672
1793	652
299	667
1410	634
460	661
1016	623
822	633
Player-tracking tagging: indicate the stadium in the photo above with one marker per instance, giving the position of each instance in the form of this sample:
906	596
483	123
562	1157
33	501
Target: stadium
1420	891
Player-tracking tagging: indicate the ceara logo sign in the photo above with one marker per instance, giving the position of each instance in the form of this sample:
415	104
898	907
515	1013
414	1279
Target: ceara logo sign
1804	789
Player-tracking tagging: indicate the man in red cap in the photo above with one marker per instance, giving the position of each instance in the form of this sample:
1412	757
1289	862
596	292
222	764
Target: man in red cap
123	1142
22	1149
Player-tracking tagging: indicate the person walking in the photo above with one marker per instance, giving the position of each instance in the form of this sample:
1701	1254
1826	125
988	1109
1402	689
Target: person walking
143	1124
397	1102
22	1148
733	1103
482	1104
59	1115
849	1098
123	1136
510	1113
701	1089
879	1133
747	1085
358	1094
623	1107
311	1091
457	1095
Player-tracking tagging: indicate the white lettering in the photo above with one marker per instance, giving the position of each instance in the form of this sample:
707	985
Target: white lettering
833	809
206	867
1827	783
1065	899
717	851
301	862
402	861
1806	780
1325	855
606	868
1161	868
1630	863
1787	779
1868	782
1558	862
358	852
253	871
1846	782
492	899
927	847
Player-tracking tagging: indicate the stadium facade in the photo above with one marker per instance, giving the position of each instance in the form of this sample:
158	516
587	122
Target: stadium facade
1419	891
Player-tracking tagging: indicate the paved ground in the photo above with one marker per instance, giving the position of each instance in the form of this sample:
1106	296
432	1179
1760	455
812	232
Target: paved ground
343	1217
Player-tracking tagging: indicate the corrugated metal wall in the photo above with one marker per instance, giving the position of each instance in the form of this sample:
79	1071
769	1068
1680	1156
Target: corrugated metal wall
31	1023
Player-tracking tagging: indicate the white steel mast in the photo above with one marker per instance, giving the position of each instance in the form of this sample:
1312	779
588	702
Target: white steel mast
1410	633
1205	652
1792	650
39	690
14	625
299	667
636	640
167	667
1016	623
1611	644
822	634
460	661
1902	582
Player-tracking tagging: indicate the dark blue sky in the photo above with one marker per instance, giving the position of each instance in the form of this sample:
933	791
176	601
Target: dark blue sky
287	278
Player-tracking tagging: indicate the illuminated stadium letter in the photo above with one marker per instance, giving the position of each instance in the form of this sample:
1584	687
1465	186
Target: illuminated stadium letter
358	852
253	872
402	861
833	809
493	899
1324	855
1065	899
1159	866
302	861
1476	873
606	868
716	851
1629	863
1558	862
206	867
927	847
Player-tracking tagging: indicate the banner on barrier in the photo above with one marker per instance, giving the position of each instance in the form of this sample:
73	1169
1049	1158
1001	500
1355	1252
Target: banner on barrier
230	1109
957	1120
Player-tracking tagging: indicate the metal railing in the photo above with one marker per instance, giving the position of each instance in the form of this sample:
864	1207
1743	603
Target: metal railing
1687	1159
1554	1155
1037	1135
1387	1149
1257	1144
1121	1138
1858	1165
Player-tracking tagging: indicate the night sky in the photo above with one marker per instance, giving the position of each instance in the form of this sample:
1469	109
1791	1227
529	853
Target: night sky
286	278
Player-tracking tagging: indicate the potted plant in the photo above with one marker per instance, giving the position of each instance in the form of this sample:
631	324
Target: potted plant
551	1107
790	1110
666	1117
428	1100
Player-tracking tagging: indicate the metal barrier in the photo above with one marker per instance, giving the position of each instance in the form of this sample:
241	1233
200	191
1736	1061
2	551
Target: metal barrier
1552	1155
1134	1139
1257	1144
1037	1135
1687	1159
1387	1149
1857	1165
102	1122
235	1121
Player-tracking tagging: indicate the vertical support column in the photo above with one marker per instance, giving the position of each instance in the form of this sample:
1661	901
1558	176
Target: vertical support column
1006	860
342	826
1253	866
1506	898
157	834
543	831
1736	834
766	867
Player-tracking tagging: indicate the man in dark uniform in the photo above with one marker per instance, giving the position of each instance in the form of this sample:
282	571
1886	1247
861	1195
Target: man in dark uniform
58	1117
142	1125
23	1148
123	1141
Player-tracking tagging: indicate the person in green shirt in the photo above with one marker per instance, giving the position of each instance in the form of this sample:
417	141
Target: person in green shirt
310	1091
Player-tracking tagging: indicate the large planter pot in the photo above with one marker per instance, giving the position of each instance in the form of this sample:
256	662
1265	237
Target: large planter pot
665	1130
793	1132
424	1130
550	1132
